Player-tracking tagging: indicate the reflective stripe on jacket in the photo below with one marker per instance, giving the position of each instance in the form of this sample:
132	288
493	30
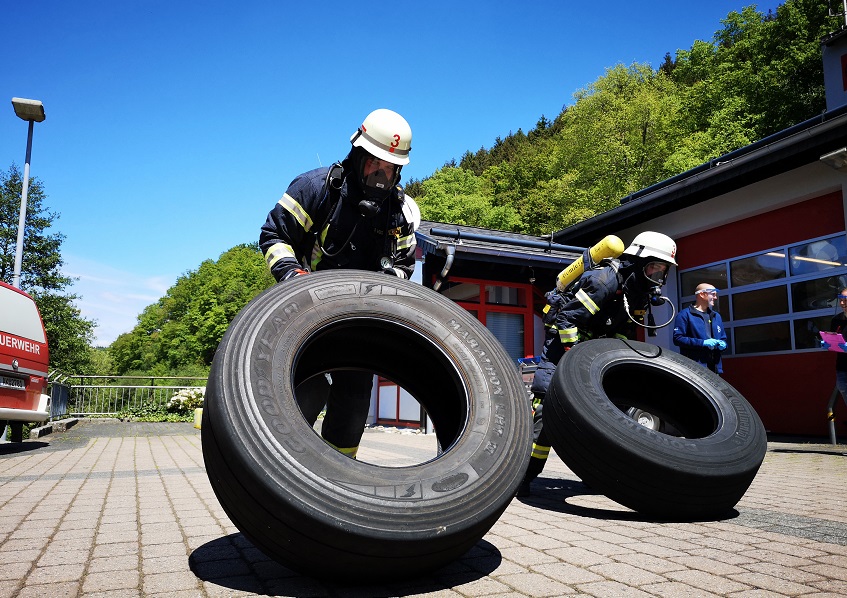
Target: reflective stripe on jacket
289	238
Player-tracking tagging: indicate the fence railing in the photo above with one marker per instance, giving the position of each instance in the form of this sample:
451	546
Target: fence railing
80	396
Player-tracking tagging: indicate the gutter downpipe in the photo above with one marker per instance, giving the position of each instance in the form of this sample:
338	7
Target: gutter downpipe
451	255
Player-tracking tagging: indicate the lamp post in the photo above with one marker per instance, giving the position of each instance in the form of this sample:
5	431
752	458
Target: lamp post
31	111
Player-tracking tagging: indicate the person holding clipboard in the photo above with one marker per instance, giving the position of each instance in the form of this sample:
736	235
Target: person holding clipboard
835	341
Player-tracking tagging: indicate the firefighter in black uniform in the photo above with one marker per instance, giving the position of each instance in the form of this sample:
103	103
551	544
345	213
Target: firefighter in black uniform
352	215
603	302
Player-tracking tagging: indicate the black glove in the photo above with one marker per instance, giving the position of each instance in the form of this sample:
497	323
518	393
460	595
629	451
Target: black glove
390	271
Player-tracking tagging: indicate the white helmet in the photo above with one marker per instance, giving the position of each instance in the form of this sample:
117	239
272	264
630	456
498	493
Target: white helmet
649	244
385	135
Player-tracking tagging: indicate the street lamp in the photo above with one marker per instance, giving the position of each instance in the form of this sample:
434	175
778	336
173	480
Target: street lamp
31	111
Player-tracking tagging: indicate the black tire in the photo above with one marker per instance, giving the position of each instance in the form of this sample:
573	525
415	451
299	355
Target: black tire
321	513
700	473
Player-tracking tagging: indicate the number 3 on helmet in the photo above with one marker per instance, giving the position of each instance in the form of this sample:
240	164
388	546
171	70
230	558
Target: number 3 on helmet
385	135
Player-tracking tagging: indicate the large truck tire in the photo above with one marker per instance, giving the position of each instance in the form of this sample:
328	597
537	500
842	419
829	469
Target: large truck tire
699	471
319	512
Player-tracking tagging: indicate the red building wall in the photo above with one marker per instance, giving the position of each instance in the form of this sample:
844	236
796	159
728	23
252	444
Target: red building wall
790	392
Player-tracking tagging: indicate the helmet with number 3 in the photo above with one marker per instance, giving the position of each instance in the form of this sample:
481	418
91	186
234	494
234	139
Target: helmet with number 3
385	135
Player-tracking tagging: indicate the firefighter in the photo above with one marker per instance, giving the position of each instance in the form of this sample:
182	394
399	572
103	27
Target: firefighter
604	301
351	215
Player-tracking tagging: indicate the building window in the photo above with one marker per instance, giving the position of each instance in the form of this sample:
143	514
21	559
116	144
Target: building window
396	407
776	300
504	308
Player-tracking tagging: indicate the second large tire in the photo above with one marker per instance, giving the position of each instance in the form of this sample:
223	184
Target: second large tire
320	512
700	471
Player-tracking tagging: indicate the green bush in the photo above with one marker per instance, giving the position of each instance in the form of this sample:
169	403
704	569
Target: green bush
186	401
152	413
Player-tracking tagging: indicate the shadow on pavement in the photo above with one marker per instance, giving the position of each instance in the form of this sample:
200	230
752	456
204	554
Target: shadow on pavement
233	562
556	495
14	448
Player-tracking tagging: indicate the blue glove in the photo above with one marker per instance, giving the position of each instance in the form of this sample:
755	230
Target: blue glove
721	345
824	344
711	343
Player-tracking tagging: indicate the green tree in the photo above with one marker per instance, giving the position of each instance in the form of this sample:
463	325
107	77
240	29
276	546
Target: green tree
764	69
69	334
178	334
458	196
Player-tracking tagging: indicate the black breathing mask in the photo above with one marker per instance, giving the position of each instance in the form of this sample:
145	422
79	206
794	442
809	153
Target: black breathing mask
376	177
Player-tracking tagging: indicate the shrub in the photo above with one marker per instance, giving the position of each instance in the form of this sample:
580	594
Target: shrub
186	401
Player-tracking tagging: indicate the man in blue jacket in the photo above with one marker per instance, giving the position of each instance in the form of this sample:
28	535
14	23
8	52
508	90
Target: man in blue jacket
698	331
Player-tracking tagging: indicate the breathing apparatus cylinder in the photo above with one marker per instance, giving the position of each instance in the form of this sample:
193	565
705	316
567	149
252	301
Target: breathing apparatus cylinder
609	246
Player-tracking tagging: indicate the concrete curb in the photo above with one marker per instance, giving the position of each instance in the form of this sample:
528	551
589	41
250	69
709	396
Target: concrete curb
56	426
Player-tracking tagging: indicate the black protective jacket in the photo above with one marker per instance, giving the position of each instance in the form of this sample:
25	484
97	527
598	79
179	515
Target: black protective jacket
314	228
592	307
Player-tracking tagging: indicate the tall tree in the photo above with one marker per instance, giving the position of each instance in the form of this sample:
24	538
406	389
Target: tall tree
458	196
69	334
765	69
179	333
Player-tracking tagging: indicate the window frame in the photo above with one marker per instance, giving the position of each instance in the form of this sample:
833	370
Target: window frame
484	307
726	296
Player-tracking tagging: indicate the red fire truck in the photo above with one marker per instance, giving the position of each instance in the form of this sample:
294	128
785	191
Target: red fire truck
24	358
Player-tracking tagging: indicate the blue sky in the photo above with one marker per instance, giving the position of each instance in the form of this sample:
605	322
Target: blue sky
173	127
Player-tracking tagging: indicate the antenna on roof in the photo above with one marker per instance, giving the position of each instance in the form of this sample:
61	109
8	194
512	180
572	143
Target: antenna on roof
319	156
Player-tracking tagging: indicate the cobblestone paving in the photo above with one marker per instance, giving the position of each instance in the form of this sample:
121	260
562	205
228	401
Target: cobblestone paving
125	509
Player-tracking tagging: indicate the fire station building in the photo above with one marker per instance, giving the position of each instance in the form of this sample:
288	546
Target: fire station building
764	224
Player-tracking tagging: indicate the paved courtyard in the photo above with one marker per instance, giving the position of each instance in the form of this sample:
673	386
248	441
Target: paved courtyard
125	509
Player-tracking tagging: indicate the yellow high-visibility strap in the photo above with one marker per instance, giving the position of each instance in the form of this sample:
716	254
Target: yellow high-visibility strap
317	254
277	251
540	452
587	301
405	242
569	335
293	207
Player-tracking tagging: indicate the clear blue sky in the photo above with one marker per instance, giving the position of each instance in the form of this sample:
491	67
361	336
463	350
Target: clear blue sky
173	127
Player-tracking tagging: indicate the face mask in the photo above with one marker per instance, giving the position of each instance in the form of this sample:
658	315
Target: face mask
377	177
656	272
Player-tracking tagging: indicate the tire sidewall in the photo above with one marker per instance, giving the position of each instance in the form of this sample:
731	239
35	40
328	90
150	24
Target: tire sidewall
284	459
737	436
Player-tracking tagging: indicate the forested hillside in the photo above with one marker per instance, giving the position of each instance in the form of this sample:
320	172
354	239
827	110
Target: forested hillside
634	126
178	334
637	125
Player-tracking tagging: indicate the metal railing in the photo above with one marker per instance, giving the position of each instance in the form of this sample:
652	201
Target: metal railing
110	395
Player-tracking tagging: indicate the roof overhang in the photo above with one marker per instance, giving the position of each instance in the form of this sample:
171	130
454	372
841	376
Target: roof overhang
485	245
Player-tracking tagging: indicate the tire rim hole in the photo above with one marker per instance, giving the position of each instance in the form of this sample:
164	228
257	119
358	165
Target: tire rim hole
400	354
661	401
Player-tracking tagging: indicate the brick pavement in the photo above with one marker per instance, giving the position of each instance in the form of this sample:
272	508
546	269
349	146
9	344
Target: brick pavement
124	510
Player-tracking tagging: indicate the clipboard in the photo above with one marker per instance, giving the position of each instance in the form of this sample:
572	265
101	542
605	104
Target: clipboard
833	338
